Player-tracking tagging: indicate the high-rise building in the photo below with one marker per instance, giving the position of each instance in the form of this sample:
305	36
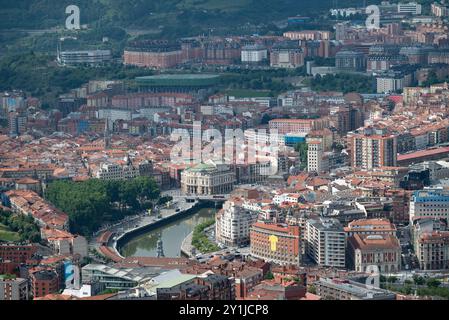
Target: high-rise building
340	31
325	242
233	224
17	123
373	149
316	162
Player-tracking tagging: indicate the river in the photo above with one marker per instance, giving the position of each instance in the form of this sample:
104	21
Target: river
172	236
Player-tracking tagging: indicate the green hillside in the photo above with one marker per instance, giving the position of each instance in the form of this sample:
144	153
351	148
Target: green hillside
40	14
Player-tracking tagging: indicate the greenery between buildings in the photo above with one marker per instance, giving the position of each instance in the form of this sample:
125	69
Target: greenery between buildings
342	82
200	240
302	148
430	287
17	227
91	203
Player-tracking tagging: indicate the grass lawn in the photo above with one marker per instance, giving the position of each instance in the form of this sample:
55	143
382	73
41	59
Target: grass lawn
7	235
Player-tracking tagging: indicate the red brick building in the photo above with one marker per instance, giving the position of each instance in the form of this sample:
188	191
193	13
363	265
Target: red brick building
277	243
17	253
44	282
153	59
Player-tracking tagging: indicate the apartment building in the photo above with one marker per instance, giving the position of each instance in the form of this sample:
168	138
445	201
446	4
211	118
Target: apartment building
233	223
44	282
126	170
350	61
366	227
286	57
12	288
432	250
325	242
316	162
431	243
276	243
373	149
254	54
285	126
308	35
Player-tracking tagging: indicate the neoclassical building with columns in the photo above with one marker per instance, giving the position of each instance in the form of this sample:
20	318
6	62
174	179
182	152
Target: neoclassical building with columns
208	179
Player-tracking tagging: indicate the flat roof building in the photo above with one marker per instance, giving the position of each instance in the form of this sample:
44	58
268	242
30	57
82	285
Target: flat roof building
341	289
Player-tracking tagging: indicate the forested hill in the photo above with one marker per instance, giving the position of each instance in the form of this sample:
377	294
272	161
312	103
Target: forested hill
40	14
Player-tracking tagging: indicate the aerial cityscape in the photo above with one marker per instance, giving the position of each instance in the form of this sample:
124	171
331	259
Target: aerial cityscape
234	150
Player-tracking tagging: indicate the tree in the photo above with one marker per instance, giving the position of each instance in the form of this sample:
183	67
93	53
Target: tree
312	289
392	279
433	283
93	202
269	276
265	118
302	148
418	280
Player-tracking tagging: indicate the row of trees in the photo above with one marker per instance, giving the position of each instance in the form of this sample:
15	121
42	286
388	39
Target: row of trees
200	240
23	225
93	202
422	286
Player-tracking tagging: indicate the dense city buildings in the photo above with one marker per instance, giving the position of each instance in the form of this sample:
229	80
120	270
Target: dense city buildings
179	156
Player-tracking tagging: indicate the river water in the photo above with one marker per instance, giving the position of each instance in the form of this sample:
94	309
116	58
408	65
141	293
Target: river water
172	236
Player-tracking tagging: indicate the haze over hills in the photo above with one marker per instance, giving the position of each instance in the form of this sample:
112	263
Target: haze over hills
36	14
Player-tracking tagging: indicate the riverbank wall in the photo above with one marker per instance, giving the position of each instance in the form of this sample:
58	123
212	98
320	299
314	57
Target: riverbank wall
129	235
